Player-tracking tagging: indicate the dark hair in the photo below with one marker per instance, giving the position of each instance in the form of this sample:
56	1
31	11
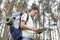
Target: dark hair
35	8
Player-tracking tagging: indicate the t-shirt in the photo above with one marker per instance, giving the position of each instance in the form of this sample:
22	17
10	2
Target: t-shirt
29	23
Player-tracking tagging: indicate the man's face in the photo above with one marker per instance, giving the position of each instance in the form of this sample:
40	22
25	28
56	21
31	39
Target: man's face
35	12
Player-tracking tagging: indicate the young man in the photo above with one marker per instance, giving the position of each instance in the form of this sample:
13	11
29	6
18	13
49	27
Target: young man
28	29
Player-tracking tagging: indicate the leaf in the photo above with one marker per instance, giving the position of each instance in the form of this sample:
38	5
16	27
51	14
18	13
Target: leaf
0	1
47	9
24	5
41	1
58	7
0	11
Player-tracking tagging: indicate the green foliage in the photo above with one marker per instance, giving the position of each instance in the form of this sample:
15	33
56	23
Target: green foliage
52	16
47	1
48	9
0	11
0	1
41	1
59	7
24	5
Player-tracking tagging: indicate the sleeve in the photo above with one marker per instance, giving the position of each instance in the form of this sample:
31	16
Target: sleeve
24	17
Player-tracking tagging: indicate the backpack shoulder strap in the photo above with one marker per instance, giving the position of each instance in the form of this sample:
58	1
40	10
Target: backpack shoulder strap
27	18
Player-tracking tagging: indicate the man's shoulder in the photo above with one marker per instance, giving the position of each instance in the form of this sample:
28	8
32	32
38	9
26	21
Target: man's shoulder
24	14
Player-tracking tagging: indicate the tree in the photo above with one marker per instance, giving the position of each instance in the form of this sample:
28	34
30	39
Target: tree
0	1
48	8
58	7
0	12
8	12
24	6
21	6
8	7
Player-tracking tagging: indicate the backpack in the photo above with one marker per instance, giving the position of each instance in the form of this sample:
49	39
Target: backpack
17	32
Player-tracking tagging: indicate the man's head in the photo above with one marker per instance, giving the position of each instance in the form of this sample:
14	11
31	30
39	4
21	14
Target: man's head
34	11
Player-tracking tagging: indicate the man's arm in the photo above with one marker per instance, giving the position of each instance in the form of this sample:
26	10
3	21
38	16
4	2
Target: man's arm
24	26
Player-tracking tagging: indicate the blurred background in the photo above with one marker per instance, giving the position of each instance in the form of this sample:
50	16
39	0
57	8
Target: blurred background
48	17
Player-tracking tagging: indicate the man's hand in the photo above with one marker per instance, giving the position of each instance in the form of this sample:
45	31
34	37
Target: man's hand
38	30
